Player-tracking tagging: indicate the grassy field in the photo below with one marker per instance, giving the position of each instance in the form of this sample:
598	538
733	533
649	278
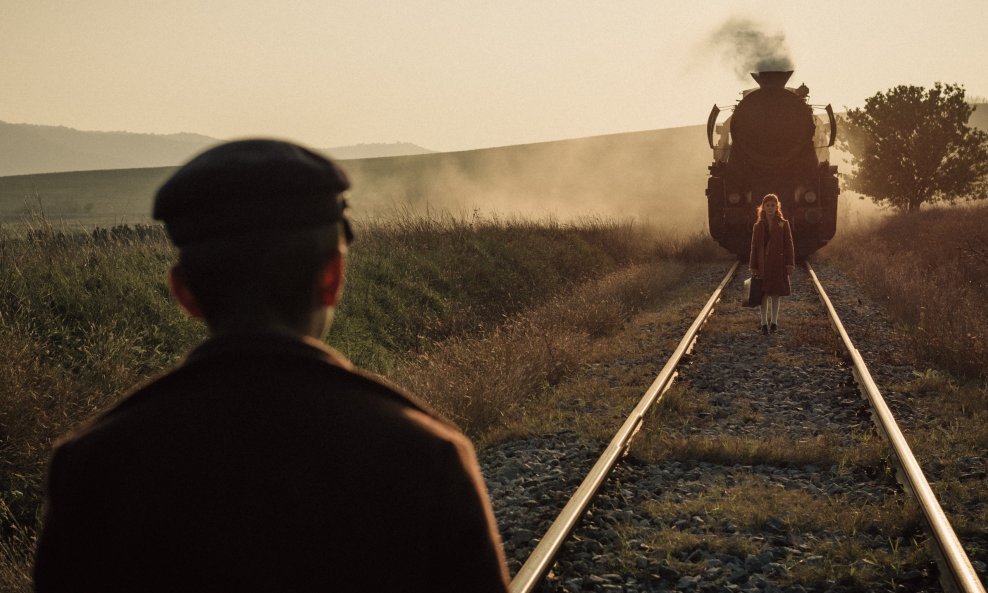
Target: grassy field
83	198
931	270
432	302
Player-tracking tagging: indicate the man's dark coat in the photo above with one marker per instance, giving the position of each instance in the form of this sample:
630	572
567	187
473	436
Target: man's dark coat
267	463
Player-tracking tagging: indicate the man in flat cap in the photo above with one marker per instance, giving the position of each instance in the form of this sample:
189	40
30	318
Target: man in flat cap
265	461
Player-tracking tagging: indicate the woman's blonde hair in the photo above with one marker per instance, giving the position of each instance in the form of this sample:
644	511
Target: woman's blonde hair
778	206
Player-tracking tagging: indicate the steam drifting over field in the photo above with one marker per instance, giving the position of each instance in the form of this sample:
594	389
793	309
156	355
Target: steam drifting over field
656	176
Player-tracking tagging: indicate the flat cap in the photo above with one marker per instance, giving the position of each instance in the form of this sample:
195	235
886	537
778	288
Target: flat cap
251	185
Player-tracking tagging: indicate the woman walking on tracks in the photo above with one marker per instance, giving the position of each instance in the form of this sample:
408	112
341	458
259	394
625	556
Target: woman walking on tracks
771	258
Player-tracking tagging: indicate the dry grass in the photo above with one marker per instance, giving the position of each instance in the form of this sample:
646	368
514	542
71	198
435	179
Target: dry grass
951	446
750	504
16	551
495	380
751	501
682	406
930	270
614	367
731	450
813	332
858	567
723	517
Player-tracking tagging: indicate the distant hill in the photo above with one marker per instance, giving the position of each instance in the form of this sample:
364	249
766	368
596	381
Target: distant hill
979	118
26	149
658	175
374	150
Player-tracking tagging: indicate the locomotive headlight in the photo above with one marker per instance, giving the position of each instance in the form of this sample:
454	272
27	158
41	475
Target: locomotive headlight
734	198
810	197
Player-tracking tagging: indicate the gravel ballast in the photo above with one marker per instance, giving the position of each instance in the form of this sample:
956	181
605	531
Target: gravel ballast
756	388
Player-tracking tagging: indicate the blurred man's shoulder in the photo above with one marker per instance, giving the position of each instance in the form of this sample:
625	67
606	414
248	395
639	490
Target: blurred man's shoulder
251	377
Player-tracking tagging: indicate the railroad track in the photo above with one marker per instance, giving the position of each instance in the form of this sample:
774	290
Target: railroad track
955	570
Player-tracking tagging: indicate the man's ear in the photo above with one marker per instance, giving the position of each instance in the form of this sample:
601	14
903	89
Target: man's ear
179	287
331	281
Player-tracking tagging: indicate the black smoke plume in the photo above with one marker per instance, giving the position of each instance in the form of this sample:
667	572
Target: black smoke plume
747	47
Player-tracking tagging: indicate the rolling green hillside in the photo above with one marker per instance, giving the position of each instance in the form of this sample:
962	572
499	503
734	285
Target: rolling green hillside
84	197
639	174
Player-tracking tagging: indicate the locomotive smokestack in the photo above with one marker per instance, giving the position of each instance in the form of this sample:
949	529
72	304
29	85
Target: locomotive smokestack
772	78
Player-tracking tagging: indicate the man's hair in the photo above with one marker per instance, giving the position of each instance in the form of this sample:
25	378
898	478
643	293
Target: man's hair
268	276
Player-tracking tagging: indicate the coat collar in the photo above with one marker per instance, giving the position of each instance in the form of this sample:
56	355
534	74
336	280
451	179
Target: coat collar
267	343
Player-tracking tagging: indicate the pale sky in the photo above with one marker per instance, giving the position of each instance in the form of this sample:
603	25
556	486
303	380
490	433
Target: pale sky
450	74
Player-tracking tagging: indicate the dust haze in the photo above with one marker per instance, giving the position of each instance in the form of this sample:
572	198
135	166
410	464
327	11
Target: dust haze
657	177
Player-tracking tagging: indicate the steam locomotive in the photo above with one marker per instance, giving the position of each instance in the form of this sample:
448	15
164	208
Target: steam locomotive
772	141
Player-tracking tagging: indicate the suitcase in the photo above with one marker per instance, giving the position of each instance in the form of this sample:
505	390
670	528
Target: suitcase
752	293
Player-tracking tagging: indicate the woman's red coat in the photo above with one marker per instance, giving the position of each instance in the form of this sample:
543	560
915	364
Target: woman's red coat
769	261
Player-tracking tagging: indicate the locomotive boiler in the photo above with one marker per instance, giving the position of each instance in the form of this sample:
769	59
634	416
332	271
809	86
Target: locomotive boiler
772	141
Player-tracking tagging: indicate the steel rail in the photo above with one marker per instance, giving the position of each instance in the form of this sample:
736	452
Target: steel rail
541	558
956	572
